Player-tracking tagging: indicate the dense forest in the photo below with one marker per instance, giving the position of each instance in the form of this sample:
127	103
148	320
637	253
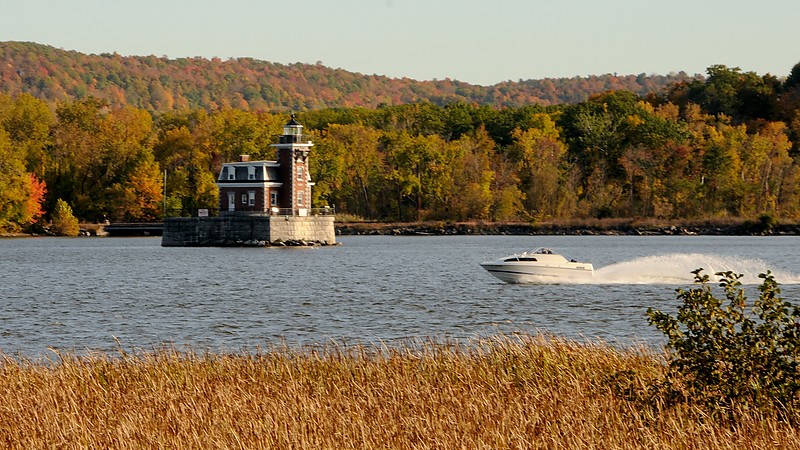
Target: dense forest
724	145
161	84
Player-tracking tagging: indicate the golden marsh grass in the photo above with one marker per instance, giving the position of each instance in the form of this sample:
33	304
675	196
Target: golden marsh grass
514	392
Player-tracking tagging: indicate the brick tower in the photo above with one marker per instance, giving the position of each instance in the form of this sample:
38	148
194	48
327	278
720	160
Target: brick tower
295	194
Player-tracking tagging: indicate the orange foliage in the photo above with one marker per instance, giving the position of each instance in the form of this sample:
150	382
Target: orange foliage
33	205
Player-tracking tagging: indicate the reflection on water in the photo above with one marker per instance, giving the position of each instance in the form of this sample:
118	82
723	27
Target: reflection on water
97	293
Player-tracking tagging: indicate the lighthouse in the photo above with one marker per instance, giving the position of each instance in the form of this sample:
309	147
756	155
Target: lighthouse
293	150
261	203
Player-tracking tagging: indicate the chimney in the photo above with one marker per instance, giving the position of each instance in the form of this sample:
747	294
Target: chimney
244	158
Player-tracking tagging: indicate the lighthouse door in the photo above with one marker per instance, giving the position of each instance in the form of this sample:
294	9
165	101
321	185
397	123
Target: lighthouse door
231	201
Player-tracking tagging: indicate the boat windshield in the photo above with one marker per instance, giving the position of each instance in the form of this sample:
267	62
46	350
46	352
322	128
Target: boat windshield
540	251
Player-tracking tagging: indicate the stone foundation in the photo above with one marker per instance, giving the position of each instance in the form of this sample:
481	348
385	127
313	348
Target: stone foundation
248	230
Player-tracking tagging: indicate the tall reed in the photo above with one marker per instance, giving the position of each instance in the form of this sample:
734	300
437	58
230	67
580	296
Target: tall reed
512	391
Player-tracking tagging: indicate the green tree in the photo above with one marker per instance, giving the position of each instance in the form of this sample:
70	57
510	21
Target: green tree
598	132
76	172
15	186
742	96
28	121
348	168
418	169
64	223
470	195
540	156
765	164
182	150
722	186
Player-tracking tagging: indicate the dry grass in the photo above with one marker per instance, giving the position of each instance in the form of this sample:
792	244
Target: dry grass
505	392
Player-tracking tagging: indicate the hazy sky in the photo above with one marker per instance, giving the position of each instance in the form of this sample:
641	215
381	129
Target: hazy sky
480	42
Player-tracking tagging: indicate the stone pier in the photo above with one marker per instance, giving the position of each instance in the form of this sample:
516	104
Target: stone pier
248	230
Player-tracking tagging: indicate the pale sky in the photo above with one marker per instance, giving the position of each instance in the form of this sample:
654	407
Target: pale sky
479	42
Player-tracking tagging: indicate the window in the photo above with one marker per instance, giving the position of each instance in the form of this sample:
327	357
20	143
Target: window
244	199
251	198
251	173
299	199
300	173
231	173
273	198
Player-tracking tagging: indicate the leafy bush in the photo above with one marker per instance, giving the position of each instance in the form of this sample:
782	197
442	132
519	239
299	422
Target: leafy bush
64	222
733	356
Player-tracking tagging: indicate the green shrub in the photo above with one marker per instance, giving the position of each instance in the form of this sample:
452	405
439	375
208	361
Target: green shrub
64	222
733	356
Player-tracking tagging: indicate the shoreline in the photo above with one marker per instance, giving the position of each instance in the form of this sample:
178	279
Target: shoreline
595	227
612	227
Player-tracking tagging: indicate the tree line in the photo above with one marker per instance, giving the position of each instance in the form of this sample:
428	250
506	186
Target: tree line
725	146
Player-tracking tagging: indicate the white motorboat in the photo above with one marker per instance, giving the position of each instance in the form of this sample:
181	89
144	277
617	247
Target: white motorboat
538	265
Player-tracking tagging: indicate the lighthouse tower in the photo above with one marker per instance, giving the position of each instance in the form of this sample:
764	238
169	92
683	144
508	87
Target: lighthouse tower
295	193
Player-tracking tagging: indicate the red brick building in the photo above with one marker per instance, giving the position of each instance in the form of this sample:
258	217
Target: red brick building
269	187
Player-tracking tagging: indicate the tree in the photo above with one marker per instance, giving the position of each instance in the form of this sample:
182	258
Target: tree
28	121
180	150
76	172
598	132
765	165
34	203
64	223
540	156
20	192
721	182
228	133
348	168
140	196
470	194
742	96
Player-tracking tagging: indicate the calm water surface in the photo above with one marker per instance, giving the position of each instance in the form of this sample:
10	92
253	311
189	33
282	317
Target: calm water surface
88	294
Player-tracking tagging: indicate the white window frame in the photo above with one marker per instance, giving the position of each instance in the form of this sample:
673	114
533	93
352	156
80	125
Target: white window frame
244	199
300	198
300	173
273	198
231	173
251	172
251	198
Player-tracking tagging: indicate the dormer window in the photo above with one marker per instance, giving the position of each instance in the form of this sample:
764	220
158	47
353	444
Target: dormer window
231	173
251	173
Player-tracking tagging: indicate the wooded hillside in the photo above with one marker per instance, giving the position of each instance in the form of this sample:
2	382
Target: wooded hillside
161	84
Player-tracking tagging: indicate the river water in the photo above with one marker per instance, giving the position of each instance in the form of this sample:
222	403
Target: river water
102	294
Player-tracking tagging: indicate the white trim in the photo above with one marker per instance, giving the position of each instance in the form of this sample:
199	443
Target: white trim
261	184
293	144
252	163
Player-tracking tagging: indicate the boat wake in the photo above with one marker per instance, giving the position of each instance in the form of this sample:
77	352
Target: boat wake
677	269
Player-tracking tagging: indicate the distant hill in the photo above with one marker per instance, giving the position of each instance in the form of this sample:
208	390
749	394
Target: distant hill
161	84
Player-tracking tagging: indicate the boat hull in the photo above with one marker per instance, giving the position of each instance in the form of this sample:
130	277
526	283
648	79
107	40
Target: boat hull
536	273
